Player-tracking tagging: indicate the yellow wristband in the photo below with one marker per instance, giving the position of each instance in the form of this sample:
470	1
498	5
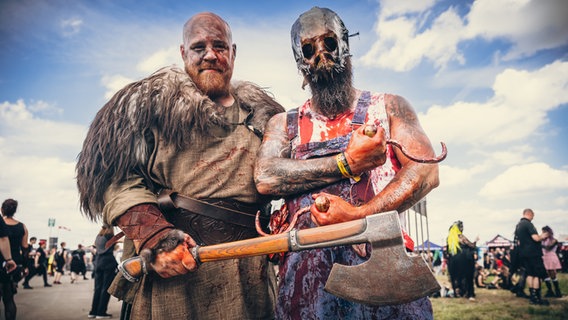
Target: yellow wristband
344	168
341	166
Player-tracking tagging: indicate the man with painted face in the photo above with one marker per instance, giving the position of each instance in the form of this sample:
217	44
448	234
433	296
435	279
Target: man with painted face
327	147
197	134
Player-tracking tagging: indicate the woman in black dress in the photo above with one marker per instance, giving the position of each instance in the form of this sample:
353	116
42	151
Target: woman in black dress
18	235
78	264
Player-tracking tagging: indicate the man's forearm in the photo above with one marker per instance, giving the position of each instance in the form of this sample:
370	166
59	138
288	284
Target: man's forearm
145	225
278	175
282	177
412	183
5	248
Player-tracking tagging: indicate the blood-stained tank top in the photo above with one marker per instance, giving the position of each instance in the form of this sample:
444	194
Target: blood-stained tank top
303	274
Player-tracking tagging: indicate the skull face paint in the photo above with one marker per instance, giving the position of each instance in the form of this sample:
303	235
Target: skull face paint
320	43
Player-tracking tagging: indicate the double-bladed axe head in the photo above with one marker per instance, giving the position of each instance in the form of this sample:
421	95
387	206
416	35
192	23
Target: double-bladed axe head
390	276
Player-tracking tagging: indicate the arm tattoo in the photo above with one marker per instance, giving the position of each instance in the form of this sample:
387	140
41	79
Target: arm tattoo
277	174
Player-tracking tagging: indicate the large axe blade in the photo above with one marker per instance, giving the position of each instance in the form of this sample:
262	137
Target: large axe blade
390	276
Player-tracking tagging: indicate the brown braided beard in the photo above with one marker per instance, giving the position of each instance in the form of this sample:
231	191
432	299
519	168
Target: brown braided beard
333	92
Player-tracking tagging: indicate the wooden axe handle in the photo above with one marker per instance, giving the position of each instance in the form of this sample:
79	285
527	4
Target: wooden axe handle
328	236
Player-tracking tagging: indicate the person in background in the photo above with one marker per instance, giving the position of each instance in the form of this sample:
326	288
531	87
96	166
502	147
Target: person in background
51	261
78	263
104	271
6	260
551	262
481	276
437	262
462	261
60	261
530	255
517	272
18	237
30	269
334	146
41	261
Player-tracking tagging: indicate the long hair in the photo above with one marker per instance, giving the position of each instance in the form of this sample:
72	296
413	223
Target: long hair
454	239
548	230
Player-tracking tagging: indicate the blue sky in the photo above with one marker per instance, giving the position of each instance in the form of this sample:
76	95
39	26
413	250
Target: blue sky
490	78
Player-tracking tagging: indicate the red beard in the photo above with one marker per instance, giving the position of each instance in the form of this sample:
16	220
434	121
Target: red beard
212	83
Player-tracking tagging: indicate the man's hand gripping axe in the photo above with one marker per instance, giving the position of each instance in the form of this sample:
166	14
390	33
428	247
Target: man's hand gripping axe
390	276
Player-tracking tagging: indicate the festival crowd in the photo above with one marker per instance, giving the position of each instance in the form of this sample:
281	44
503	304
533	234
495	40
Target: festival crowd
531	260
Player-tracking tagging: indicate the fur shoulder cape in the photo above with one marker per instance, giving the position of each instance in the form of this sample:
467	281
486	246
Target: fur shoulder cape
117	142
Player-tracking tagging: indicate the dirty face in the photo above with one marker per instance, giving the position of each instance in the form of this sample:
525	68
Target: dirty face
320	52
320	43
208	54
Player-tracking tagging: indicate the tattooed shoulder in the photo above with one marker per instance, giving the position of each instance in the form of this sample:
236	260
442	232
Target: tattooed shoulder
398	107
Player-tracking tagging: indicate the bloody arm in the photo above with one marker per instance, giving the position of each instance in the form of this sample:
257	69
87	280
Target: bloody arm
411	183
277	174
414	180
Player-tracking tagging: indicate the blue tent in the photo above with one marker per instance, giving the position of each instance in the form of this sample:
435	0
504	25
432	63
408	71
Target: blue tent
424	246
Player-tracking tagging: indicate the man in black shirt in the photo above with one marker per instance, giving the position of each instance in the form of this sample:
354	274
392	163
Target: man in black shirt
30	265
41	261
530	254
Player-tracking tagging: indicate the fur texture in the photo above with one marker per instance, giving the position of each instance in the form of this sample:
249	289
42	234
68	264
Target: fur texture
120	139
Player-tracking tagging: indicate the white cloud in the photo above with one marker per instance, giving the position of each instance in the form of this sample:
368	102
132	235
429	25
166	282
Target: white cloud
396	7
44	108
27	134
400	47
517	109
561	201
538	91
71	26
268	62
114	83
530	26
525	179
454	176
513	155
159	59
38	170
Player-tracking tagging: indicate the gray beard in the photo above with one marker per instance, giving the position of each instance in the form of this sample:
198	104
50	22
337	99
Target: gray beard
332	95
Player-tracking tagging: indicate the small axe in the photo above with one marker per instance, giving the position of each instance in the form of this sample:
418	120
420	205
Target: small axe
390	276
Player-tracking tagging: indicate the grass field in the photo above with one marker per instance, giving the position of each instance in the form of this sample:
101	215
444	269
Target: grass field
501	304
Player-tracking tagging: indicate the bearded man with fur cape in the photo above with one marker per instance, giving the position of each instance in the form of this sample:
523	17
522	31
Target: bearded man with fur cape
197	134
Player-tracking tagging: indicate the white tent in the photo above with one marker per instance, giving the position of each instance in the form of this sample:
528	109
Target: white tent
499	241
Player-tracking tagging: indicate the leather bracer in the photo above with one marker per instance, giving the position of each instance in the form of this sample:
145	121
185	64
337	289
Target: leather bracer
145	225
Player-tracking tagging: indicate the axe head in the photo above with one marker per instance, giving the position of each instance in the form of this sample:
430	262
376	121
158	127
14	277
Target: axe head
390	276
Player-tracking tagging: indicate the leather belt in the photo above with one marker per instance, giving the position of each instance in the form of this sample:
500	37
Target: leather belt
240	214
169	201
